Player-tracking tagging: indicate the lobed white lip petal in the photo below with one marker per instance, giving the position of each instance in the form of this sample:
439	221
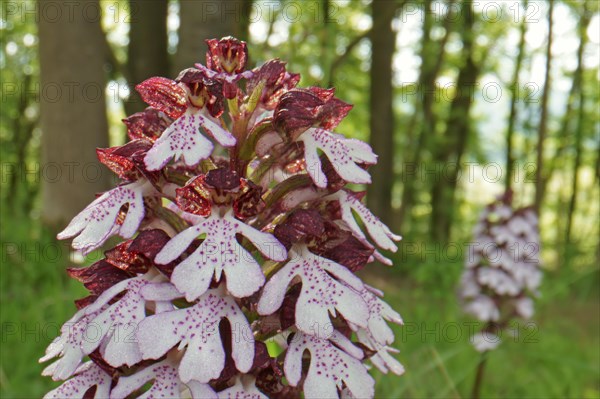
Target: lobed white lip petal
379	313
219	253
343	153
103	325
86	376
325	289
176	246
68	347
330	367
379	232
98	221
110	323
196	329
165	383
382	359
222	135
183	139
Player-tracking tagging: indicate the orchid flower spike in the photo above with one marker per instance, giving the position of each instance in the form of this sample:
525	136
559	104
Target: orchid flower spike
237	229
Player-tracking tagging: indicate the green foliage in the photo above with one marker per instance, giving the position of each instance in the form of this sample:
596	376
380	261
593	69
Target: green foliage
36	298
19	113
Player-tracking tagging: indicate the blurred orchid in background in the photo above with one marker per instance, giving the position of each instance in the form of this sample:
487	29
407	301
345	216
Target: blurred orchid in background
502	274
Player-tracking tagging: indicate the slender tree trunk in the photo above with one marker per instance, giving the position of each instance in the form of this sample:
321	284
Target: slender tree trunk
510	159
73	110
568	119
543	126
424	85
147	52
578	78
201	20
432	58
576	165
327	40
243	32
448	157
383	44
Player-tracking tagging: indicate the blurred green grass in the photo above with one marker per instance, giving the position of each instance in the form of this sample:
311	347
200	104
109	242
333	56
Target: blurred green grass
556	356
559	357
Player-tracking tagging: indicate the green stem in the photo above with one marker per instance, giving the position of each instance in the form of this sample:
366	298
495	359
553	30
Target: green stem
479	377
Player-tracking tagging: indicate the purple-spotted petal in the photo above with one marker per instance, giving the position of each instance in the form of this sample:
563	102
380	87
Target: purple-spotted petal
344	154
223	137
87	376
382	359
182	139
160	292
325	289
196	329
379	313
68	346
113	326
165	383
188	217
199	390
99	220
378	231
330	368
219	252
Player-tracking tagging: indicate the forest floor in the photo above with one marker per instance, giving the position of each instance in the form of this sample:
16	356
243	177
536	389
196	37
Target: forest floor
555	355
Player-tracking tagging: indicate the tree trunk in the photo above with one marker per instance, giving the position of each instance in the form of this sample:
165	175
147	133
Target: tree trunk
449	154
543	126
577	80
413	158
432	58
147	52
568	118
243	31
201	20
510	159
383	44
73	109
328	33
